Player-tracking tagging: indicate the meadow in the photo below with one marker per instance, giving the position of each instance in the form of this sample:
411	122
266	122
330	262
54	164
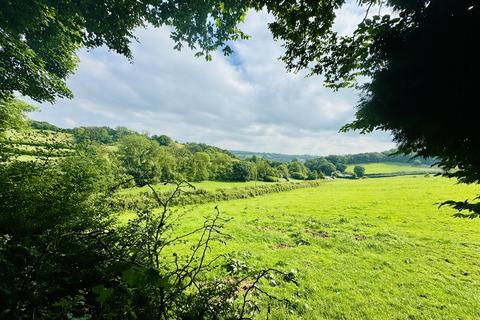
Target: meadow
370	168
391	167
363	249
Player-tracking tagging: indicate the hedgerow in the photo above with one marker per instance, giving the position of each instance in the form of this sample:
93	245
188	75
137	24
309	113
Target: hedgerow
122	202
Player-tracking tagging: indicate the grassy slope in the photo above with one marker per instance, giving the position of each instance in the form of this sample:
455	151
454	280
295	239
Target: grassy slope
40	136
380	248
33	143
391	167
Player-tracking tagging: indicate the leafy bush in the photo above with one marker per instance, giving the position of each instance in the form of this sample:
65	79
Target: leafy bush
242	171
270	179
297	170
312	175
359	171
341	167
298	175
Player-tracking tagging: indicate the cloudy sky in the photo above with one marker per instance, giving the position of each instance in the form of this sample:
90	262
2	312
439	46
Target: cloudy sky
243	102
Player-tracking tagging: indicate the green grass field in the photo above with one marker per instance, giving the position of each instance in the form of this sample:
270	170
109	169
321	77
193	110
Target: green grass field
206	185
364	249
391	167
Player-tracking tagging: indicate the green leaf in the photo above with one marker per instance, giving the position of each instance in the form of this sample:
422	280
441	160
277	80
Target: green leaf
134	276
102	293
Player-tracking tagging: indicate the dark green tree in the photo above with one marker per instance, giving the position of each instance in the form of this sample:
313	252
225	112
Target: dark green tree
341	167
243	171
264	171
359	171
163	140
282	171
321	165
297	170
312	175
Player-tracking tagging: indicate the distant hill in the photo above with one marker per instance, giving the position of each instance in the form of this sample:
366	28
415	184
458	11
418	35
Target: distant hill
273	156
358	158
109	136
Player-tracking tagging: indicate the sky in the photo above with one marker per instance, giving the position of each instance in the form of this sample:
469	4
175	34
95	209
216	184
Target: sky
247	101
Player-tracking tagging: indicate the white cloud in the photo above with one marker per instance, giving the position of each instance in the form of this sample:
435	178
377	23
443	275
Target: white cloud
69	122
247	101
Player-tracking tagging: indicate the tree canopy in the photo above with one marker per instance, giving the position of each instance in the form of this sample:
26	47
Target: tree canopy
359	171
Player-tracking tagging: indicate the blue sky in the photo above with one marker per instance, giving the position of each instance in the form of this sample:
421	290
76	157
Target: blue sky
244	102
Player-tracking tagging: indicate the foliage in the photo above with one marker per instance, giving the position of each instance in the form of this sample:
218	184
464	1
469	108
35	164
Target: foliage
412	76
197	161
297	170
264	170
272	156
243	171
388	167
163	140
43	125
12	114
202	147
321	165
393	52
46	209
359	171
102	135
341	167
62	253
412	46
200	166
375	157
313	175
141	158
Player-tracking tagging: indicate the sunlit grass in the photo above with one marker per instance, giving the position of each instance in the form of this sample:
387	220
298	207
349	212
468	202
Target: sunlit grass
391	167
377	248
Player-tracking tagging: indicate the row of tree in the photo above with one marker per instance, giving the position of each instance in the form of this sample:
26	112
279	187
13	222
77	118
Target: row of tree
165	159
160	158
145	157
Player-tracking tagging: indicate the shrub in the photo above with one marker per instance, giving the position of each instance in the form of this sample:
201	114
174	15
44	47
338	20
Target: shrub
359	171
270	179
341	167
122	202
242	171
312	175
298	175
